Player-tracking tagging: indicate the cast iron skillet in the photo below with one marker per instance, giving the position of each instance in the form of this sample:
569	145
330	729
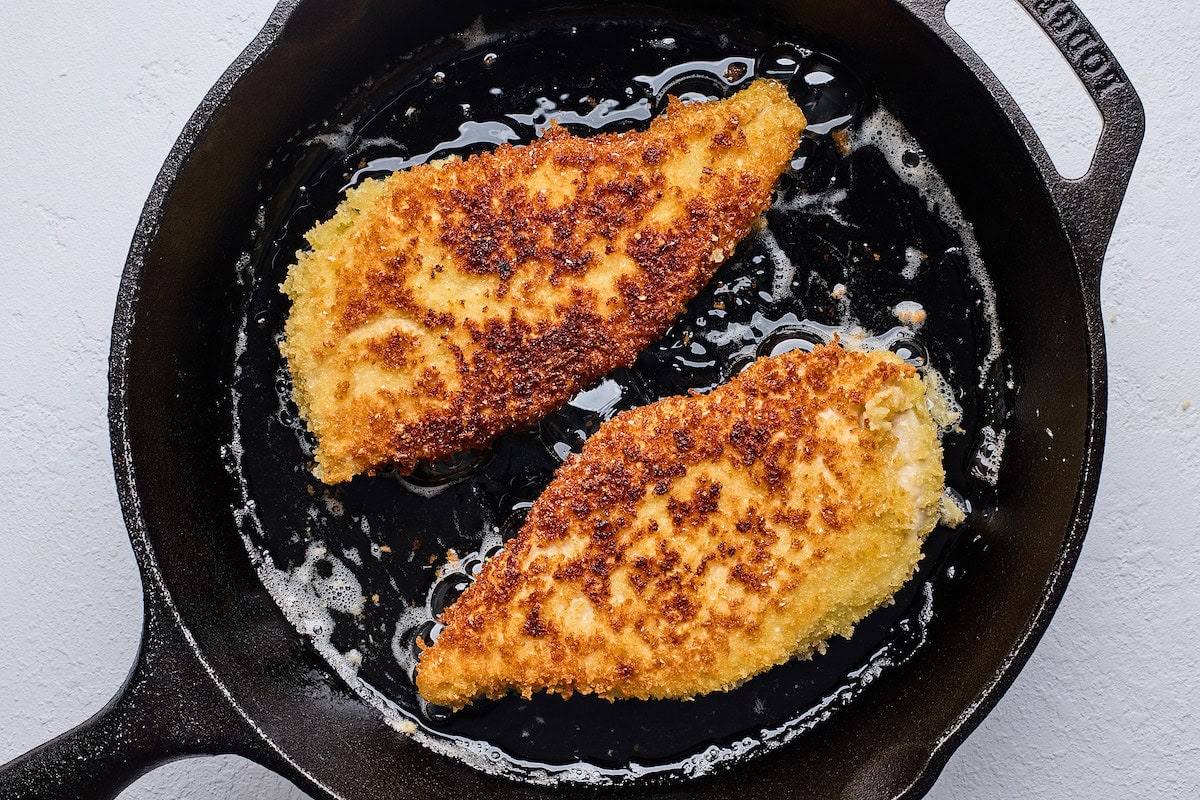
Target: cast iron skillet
221	671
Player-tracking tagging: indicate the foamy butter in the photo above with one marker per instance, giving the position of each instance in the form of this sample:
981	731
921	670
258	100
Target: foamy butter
913	259
944	408
911	313
307	594
826	203
784	270
991	450
476	35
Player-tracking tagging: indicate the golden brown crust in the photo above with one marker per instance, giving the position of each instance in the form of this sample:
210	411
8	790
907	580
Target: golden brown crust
700	540
453	301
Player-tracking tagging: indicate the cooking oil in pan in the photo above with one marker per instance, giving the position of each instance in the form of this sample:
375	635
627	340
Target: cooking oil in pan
863	241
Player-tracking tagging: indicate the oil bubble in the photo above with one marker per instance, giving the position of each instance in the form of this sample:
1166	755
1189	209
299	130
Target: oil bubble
449	470
446	591
780	62
789	338
911	350
515	521
434	714
831	98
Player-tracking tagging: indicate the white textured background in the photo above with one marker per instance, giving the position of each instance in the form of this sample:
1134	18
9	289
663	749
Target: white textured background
91	100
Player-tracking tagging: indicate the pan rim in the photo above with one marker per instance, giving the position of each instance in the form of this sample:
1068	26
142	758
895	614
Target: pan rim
156	593
155	588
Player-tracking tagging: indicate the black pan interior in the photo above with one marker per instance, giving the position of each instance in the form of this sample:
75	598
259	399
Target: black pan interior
194	293
848	240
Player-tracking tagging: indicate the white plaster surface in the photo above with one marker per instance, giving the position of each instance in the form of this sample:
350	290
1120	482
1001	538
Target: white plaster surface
94	94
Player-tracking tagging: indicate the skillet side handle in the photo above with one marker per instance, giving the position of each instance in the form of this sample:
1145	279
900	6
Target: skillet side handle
168	709
1088	204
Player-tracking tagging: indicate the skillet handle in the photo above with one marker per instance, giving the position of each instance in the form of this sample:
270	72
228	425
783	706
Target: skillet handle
168	709
1088	204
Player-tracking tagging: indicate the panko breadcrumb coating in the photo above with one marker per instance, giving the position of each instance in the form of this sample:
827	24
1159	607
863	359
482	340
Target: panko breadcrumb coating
700	540
448	303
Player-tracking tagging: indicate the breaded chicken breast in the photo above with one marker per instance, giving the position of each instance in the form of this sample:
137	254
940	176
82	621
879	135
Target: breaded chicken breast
700	540
448	303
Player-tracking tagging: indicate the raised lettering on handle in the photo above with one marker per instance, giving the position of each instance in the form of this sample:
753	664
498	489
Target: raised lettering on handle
1080	43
